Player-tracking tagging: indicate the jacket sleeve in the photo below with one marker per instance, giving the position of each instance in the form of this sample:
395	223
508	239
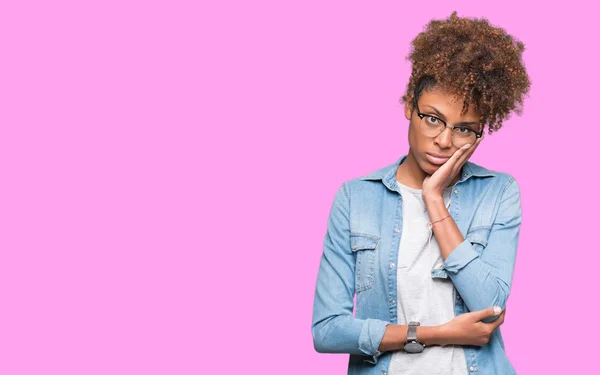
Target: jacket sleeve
484	279
334	328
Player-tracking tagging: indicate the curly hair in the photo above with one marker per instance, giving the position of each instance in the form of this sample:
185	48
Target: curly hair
473	60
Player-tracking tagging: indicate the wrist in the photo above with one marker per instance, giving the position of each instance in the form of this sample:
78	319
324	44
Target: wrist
431	335
432	196
443	335
433	199
435	207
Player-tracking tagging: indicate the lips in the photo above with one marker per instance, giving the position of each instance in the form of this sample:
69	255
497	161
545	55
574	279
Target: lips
437	159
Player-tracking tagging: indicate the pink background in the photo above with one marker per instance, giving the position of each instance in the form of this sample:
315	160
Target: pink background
167	169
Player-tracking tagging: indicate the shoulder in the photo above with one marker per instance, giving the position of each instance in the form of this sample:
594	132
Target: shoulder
497	185
384	174
374	180
486	175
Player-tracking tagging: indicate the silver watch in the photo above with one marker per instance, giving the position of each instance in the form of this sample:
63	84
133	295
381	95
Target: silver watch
412	344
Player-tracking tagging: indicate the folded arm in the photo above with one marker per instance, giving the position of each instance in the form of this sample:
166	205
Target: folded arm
483	279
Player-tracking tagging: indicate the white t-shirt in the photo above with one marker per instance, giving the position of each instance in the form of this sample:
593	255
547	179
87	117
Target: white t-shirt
420	297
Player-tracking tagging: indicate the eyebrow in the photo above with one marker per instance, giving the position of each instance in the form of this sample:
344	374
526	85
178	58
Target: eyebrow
440	114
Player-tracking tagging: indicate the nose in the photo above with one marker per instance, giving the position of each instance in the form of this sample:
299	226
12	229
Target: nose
444	140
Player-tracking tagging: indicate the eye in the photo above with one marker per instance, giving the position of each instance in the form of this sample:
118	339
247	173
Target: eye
463	130
431	120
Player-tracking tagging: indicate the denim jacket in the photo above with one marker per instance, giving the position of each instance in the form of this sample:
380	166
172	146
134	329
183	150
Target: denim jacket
360	250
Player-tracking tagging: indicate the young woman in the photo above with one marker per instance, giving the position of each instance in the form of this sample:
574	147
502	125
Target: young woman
426	246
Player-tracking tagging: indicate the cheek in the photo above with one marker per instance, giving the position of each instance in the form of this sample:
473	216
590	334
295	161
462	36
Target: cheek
413	139
418	143
418	148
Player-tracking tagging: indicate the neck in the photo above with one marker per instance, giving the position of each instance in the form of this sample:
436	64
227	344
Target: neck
409	173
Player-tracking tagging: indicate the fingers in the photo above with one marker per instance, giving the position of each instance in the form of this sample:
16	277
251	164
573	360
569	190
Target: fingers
464	153
455	160
498	322
486	313
470	149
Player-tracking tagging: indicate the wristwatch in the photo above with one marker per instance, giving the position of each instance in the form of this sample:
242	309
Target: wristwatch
412	344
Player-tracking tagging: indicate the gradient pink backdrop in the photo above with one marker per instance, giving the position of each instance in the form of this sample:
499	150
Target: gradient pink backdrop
167	169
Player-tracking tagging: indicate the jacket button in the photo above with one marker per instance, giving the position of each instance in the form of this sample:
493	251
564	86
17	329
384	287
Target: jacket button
472	368
392	265
393	302
456	191
458	297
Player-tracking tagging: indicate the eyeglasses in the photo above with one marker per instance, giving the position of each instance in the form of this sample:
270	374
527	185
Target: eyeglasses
432	126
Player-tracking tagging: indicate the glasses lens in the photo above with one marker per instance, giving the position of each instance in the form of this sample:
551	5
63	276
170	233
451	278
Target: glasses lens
462	136
432	127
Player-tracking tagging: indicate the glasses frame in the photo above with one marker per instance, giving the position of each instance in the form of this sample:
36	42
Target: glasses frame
478	134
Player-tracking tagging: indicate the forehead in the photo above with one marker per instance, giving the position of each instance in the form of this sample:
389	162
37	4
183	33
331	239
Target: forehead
447	103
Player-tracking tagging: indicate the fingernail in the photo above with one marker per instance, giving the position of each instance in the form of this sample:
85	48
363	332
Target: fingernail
467	145
497	310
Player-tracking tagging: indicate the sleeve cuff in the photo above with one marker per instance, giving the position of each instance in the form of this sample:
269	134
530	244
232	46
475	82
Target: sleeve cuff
370	338
460	257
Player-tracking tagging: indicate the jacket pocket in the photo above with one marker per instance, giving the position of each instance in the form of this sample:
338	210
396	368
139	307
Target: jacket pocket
364	247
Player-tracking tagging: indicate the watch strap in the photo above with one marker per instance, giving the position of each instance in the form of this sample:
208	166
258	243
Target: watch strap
412	331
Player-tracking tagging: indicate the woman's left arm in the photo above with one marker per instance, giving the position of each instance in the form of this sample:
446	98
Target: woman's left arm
483	280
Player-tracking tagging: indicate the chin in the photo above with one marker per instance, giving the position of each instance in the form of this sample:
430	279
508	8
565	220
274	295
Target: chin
428	167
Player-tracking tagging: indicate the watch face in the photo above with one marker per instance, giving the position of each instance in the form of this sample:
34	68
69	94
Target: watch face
413	347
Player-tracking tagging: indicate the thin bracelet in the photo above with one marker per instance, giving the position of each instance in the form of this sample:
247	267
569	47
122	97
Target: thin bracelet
430	225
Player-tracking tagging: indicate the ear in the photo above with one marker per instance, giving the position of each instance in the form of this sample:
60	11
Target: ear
408	108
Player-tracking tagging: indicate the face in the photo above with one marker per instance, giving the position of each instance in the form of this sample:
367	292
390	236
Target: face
430	152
